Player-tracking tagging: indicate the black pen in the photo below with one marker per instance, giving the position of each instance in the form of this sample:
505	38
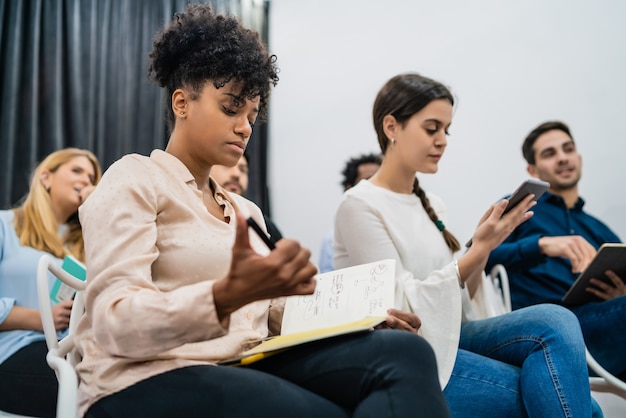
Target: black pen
266	239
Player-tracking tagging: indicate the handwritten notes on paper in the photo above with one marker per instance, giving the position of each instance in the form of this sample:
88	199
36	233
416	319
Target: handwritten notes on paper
342	296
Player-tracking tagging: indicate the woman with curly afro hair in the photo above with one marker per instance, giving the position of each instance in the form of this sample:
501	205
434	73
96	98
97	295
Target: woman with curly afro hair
176	283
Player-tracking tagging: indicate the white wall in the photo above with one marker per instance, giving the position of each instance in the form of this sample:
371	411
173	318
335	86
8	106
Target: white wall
511	64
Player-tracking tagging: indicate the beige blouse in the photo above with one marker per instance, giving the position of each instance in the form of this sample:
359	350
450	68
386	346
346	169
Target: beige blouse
153	253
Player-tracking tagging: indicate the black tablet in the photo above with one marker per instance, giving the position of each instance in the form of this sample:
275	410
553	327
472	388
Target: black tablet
609	257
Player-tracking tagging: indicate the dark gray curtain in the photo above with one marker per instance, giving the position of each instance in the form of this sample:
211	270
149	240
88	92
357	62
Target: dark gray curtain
73	73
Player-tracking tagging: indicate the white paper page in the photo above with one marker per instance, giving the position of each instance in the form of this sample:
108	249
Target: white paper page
342	296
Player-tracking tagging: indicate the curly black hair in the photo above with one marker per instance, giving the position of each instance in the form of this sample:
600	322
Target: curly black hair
199	45
351	170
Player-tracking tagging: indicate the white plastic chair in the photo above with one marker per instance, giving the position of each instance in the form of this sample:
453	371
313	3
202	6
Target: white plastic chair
492	298
605	381
61	356
494	292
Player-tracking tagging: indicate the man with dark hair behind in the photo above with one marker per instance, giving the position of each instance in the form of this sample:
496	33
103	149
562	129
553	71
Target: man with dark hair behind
235	179
357	168
545	254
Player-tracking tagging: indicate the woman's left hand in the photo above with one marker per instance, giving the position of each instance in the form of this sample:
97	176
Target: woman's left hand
397	319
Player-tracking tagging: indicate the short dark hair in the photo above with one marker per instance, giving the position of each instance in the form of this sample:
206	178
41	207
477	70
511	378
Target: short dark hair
351	170
527	147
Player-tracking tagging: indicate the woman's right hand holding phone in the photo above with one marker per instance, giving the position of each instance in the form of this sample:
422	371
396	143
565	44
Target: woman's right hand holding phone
495	226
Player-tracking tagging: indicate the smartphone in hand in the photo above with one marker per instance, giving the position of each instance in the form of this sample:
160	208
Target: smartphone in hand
530	186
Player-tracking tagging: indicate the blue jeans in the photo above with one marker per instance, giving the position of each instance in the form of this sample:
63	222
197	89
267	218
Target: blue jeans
604	328
377	374
530	362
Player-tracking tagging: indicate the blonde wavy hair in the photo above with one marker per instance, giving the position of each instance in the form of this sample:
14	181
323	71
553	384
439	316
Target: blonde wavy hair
35	223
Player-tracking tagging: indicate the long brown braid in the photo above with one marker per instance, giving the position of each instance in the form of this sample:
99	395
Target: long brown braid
450	240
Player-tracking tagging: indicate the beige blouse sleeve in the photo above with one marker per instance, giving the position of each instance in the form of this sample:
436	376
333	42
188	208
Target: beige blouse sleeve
130	315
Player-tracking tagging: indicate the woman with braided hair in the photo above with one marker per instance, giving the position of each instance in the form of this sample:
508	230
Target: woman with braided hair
530	362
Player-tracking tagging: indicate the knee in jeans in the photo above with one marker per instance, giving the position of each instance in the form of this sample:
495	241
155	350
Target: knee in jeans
557	316
559	321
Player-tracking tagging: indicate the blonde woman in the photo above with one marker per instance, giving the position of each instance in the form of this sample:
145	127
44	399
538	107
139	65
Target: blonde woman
45	223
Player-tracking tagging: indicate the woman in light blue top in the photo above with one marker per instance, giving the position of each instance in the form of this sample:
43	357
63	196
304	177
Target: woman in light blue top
46	223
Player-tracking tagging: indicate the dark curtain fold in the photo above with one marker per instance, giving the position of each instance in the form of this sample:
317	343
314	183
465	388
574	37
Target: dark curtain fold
74	73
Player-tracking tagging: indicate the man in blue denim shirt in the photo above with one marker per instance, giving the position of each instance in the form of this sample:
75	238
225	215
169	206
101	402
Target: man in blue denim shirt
545	254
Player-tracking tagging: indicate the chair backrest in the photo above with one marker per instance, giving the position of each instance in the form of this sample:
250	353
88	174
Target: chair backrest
495	294
605	381
492	297
61	355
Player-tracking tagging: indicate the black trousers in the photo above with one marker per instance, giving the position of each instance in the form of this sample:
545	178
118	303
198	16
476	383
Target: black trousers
377	374
28	386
